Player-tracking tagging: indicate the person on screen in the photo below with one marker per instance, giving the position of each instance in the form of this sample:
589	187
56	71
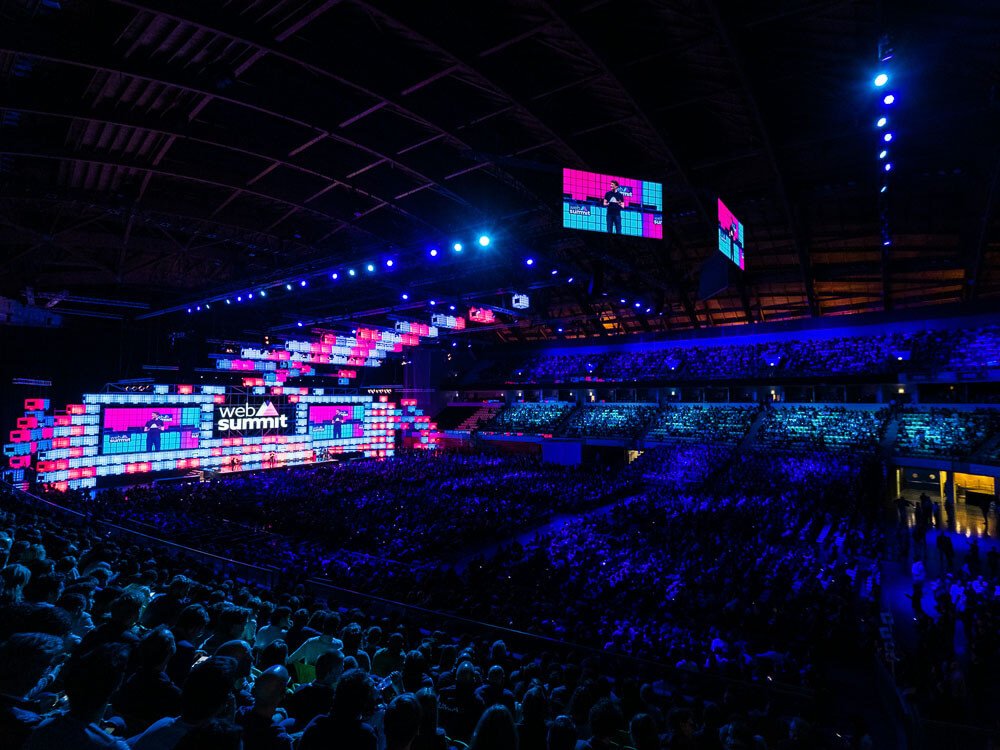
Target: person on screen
153	429
614	199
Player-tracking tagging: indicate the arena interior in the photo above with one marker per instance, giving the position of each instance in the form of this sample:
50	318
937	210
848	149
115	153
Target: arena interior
330	421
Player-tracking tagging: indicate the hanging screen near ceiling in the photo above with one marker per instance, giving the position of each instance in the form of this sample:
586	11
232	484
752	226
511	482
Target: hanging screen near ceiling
612	204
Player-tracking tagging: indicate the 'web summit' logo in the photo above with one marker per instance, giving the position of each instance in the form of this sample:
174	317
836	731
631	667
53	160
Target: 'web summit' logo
246	418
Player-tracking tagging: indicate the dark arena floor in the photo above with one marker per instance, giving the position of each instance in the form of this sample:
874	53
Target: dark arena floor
521	375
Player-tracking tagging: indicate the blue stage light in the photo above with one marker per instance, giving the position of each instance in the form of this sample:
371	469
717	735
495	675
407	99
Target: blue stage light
883	154
888	99
190	310
881	80
334	275
888	167
263	293
880	122
569	280
198	308
451	307
484	240
389	263
560	330
351	272
638	304
299	324
886	242
529	262
433	303
555	271
229	302
302	283
370	267
405	295
208	306
622	301
250	295
883	188
887	137
457	247
288	287
239	299
434	252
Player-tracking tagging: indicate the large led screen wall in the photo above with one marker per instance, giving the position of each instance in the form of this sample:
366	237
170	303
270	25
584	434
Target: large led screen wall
612	204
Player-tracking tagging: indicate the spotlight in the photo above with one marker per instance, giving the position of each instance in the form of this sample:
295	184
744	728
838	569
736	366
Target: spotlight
529	262
883	188
880	122
886	243
229	302
434	252
638	304
208	306
451	307
351	272
288	287
405	295
263	293
622	301
454	344
881	80
239	299
569	280
648	309
888	99
888	167
433	303
887	137
334	275
250	295
457	247
189	310
302	283
883	154
299	324
555	271
484	240
389	263
370	268
560	330
198	308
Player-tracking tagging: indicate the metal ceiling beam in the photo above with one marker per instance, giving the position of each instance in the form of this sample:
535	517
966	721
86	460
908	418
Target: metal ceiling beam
18	43
975	257
793	222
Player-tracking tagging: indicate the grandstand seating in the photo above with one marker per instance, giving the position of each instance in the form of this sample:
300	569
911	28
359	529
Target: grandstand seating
828	428
702	422
531	418
609	420
465	418
481	416
944	432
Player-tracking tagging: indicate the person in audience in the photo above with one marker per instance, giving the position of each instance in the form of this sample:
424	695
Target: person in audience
352	638
25	658
89	679
495	730
389	658
188	633
562	734
532	729
165	608
148	694
326	641
120	627
315	698
494	691
346	725
261	730
430	736
643	733
401	722
217	734
207	695
462	705
280	622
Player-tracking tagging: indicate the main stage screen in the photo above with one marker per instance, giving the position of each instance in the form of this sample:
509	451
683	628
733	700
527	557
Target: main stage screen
589	199
336	421
149	428
730	235
253	417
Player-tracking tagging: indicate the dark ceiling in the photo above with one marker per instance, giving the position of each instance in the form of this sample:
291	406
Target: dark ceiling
171	152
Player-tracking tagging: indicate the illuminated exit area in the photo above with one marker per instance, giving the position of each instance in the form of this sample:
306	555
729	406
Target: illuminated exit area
973	498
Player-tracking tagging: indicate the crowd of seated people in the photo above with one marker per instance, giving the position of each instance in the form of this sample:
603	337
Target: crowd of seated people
609	420
703	423
876	354
828	428
943	432
443	501
529	417
680	465
105	640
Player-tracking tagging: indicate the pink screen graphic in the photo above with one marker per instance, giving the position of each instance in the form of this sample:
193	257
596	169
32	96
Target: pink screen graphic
124	430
